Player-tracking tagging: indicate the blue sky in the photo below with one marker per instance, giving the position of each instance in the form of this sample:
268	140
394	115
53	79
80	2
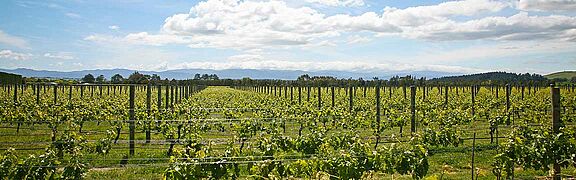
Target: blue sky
466	36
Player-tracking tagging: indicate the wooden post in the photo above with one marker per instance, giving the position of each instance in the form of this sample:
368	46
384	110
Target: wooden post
167	97
413	109
131	120
423	92
70	93
15	102
377	114
319	97
299	94
308	92
404	90
473	148
473	99
556	124
351	96
159	105
55	94
446	95
522	92
172	96
507	97
15	94
291	94
37	94
148	109
332	92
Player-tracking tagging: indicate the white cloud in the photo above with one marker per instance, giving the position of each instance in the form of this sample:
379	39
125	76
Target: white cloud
264	24
60	55
142	38
547	5
113	27
520	26
347	3
493	51
12	40
272	24
352	66
73	15
9	54
246	57
356	39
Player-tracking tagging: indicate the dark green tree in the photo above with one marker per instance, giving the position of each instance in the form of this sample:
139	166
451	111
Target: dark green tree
117	79
89	78
101	79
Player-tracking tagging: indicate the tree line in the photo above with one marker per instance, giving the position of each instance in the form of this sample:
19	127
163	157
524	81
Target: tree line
491	78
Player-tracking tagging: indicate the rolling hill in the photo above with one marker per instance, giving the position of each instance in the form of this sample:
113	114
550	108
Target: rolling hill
563	74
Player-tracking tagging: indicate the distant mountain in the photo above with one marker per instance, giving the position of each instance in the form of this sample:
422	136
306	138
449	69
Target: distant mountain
226	73
563	74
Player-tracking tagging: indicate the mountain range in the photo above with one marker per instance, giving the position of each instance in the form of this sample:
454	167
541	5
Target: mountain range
225	73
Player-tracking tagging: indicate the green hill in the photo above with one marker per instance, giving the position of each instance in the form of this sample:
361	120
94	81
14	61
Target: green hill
564	74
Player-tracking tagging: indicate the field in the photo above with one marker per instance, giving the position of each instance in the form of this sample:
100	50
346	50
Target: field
564	74
267	132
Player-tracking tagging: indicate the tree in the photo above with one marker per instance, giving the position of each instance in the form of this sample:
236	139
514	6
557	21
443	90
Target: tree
117	79
89	78
100	79
137	78
155	79
213	77
573	80
196	76
304	77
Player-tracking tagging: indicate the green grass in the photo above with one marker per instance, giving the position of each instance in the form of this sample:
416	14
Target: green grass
563	74
449	163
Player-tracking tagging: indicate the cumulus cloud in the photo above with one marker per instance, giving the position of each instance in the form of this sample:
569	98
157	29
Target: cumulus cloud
260	24
60	55
248	24
9	54
347	3
12	40
547	5
520	26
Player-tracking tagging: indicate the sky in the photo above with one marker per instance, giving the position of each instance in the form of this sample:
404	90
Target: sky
468	36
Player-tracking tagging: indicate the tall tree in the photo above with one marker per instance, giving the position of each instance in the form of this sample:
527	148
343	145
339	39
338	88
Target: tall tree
100	79
89	78
137	78
117	79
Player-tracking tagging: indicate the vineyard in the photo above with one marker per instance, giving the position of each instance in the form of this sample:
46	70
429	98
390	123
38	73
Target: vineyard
279	132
